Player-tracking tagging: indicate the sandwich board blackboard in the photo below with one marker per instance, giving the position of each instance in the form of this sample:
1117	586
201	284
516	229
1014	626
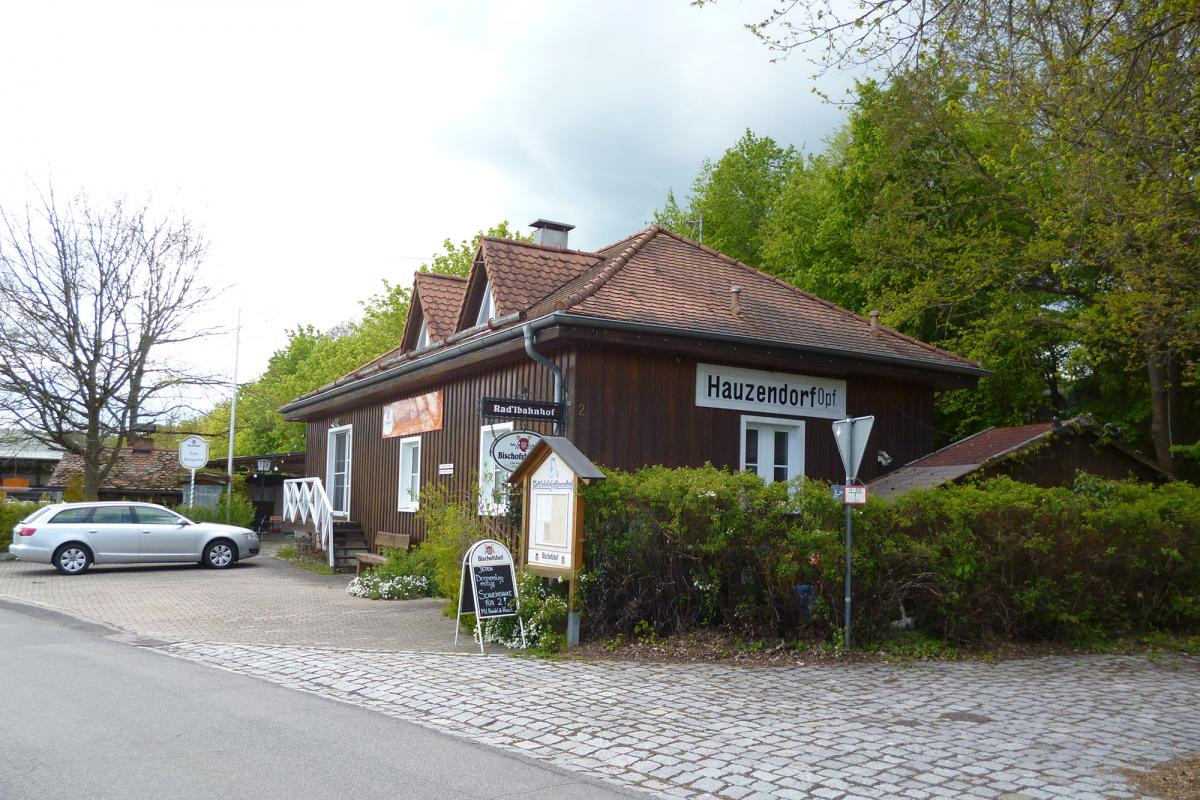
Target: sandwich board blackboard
488	587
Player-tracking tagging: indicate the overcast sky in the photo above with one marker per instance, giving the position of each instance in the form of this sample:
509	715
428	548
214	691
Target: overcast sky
323	147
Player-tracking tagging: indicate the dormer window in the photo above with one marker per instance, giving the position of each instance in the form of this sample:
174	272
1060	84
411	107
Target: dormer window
487	305
422	336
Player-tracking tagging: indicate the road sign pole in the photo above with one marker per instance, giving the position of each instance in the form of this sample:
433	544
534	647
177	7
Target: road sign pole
192	490
849	477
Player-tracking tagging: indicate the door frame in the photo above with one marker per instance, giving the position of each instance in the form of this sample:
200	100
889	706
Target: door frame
330	454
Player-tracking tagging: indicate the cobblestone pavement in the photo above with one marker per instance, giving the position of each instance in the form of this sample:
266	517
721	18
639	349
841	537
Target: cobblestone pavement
1050	727
1042	728
263	600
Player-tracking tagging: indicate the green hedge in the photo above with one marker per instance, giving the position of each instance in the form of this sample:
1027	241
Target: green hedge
10	514
673	550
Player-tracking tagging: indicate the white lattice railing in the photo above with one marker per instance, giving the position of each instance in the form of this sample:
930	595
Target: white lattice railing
305	501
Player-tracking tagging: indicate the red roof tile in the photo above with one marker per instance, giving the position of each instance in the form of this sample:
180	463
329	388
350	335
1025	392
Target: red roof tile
984	445
657	277
660	278
523	273
153	469
440	297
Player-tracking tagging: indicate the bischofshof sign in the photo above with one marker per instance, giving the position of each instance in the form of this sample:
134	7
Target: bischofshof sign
531	410
488	588
509	450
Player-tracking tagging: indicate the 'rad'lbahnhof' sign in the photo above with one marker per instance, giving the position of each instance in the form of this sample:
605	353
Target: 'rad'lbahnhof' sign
779	392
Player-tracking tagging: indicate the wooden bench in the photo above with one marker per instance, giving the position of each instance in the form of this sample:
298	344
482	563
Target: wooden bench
383	539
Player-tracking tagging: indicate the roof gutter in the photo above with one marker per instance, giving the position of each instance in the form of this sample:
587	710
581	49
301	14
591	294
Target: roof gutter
437	357
565	318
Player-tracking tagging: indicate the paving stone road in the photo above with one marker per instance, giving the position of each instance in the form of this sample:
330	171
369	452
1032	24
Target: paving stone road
1038	728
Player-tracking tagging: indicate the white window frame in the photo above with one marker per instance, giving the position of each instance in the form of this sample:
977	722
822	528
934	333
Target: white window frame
487	304
409	503
422	335
330	452
795	442
488	505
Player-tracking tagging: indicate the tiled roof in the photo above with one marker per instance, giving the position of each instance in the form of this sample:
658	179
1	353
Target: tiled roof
153	469
441	296
660	278
963	457
984	445
657	277
522	272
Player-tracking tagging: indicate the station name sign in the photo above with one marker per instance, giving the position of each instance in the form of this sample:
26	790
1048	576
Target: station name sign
532	410
778	392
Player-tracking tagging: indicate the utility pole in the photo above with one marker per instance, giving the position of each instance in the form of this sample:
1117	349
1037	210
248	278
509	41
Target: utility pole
237	346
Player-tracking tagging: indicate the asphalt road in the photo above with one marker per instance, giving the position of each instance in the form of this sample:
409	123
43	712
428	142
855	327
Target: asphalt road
85	716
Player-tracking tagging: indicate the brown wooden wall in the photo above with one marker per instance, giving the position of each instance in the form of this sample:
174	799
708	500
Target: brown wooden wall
632	408
627	408
375	461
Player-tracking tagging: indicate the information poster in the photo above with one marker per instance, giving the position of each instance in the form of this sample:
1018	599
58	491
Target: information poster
552	515
413	415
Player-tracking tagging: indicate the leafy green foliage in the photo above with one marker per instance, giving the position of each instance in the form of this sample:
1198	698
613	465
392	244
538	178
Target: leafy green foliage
231	509
74	490
457	259
10	514
734	195
672	550
452	524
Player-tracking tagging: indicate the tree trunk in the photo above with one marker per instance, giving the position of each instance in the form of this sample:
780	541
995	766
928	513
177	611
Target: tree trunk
1163	393
91	466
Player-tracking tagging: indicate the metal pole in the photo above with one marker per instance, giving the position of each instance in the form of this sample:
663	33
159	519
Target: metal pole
849	477
237	346
192	490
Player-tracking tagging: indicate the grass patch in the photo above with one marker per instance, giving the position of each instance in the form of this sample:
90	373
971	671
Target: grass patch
290	554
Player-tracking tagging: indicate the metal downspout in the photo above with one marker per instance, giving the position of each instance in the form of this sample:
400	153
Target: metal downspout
559	427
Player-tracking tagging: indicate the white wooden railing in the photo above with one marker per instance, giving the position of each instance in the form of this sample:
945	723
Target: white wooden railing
305	501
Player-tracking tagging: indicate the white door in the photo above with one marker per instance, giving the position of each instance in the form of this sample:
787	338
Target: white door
773	448
337	474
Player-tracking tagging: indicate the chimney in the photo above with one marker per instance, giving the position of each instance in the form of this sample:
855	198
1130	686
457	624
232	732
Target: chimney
140	443
735	300
550	233
875	322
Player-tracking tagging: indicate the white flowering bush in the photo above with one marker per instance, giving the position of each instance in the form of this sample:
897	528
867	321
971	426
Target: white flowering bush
544	612
382	586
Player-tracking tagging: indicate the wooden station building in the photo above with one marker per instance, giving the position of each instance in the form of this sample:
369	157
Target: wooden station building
660	351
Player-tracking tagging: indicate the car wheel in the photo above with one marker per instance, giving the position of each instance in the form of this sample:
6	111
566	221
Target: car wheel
219	554
72	559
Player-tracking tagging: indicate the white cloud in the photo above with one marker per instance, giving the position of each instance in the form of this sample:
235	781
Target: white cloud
319	144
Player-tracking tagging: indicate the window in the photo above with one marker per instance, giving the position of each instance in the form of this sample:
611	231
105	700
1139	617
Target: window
487	305
422	336
72	515
147	515
337	469
773	448
410	474
112	515
493	497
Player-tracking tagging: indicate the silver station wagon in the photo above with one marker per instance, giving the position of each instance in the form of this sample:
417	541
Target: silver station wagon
73	536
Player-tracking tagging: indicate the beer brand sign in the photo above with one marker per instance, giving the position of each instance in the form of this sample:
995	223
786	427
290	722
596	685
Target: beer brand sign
770	392
413	415
509	450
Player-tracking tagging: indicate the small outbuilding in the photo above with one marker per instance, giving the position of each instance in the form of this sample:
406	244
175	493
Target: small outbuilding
1044	454
143	473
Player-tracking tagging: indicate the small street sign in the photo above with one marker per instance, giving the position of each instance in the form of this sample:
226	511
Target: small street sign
838	492
531	410
856	495
851	437
193	452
